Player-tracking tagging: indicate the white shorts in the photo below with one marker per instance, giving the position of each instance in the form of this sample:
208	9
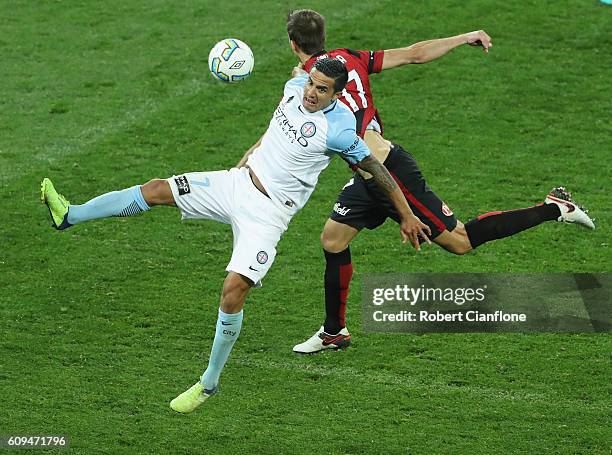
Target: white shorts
231	197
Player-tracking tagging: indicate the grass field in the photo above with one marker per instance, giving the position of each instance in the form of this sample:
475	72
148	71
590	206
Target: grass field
102	325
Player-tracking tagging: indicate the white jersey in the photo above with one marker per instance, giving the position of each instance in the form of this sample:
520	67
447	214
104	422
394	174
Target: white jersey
298	146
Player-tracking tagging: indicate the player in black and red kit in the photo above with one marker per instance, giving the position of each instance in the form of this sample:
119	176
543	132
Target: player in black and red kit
361	205
357	95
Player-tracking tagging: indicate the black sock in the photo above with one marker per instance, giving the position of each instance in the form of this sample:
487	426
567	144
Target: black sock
338	274
497	225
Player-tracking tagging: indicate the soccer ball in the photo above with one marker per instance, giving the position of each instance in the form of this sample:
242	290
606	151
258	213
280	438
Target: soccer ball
231	60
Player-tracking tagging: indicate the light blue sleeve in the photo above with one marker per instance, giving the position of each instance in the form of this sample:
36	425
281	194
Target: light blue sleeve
296	83
342	138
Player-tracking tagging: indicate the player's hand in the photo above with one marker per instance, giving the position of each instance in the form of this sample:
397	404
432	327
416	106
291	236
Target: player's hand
298	70
411	228
479	38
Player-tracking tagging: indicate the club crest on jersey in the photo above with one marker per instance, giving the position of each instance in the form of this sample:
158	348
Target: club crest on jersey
308	129
446	210
262	257
182	185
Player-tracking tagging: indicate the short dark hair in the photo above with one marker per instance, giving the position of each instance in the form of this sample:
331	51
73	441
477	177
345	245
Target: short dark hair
307	29
334	68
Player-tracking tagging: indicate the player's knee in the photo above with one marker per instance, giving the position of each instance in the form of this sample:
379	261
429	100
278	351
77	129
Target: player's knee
232	300
459	250
157	192
460	246
456	241
235	289
332	243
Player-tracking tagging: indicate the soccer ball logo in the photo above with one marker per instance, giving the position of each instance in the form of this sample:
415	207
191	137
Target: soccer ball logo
231	60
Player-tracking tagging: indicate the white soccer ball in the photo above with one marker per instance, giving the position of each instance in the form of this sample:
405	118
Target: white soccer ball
231	60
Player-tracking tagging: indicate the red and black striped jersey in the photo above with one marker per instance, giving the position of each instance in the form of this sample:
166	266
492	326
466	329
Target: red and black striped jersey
357	95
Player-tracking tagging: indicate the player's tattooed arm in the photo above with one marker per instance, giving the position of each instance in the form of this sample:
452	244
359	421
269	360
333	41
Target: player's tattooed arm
411	227
244	159
380	173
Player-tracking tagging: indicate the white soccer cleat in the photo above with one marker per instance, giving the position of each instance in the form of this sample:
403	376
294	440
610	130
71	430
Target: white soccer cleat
570	211
189	400
321	340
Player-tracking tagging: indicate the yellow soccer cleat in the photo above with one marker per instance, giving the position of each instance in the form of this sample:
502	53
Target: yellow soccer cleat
56	203
189	400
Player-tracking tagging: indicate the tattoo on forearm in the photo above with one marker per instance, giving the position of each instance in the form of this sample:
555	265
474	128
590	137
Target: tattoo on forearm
379	172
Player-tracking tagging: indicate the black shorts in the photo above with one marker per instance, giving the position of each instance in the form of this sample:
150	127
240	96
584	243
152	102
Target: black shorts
361	204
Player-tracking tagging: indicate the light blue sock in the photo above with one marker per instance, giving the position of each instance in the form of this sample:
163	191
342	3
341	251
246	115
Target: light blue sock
126	202
228	329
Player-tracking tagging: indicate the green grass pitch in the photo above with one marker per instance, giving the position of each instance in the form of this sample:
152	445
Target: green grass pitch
102	325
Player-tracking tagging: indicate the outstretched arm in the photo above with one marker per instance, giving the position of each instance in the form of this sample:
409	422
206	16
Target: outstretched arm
410	227
426	51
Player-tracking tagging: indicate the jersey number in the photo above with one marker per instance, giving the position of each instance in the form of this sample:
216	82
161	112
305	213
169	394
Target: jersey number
354	76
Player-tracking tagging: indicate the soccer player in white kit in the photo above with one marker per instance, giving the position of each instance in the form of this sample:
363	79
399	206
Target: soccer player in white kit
258	198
